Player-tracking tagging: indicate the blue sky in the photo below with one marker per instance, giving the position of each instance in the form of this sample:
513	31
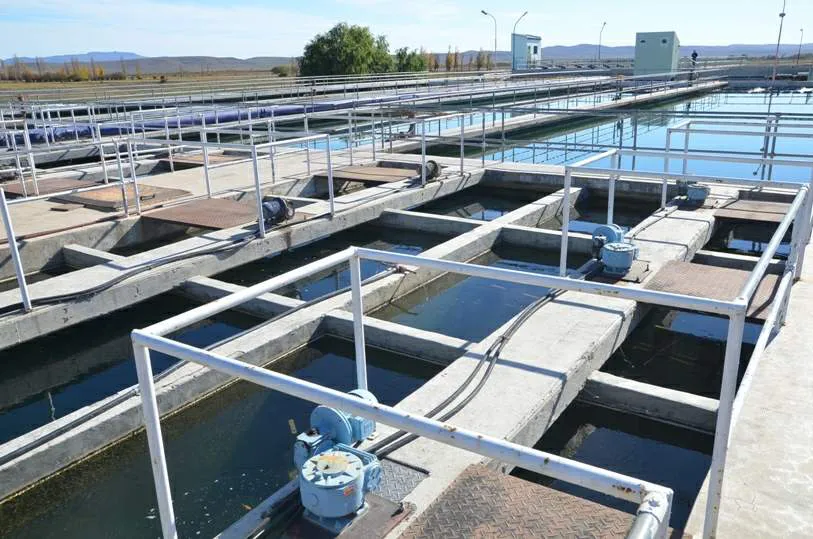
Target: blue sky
245	28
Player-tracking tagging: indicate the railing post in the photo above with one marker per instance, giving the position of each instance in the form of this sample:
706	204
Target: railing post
803	219
423	153
134	177
258	191
483	149
169	146
152	422
616	164
358	322
11	239
728	390
307	146
329	177
205	142
350	134
686	133
665	186
125	205
17	163
462	142
31	163
372	131
565	222
101	153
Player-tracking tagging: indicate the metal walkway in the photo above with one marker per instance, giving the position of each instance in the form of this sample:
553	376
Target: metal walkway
484	503
704	281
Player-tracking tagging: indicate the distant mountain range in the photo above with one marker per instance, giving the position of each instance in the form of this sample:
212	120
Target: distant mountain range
111	61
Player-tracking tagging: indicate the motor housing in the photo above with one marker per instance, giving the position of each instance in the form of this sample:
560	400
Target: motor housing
334	476
696	193
277	210
615	251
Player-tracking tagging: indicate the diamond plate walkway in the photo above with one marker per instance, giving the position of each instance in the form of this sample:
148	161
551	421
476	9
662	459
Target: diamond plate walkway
484	503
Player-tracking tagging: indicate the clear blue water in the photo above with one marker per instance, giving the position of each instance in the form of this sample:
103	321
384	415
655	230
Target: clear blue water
471	308
679	350
640	448
54	375
385	239
571	145
225	455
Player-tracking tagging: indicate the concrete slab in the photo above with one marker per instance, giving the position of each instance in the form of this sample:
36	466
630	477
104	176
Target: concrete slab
768	484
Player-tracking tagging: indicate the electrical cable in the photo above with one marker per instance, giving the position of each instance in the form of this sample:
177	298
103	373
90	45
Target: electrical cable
399	439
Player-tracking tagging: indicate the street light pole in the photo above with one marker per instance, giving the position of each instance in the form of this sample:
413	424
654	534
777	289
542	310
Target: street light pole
484	12
600	32
801	39
778	41
513	32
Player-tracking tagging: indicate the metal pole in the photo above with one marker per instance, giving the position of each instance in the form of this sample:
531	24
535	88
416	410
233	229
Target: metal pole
350	135
423	154
31	163
134	177
686	147
778	42
17	163
15	253
152	422
727	392
329	177
308	147
462	144
600	32
358	322
169	146
372	132
484	12
666	167
121	181
101	154
258	194
270	126
616	163
565	223
204	141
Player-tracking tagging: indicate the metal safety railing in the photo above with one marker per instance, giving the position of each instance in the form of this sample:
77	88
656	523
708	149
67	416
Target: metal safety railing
799	216
132	150
655	501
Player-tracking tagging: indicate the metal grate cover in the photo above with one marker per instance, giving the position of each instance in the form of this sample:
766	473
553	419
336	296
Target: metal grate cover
484	503
714	282
46	186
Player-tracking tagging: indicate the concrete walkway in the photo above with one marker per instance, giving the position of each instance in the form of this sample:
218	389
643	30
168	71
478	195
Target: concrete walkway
768	484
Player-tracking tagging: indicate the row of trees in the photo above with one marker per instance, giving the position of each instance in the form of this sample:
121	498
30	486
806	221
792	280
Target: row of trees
353	50
72	71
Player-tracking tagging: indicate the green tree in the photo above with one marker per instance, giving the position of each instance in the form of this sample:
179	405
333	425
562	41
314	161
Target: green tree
406	60
346	50
449	59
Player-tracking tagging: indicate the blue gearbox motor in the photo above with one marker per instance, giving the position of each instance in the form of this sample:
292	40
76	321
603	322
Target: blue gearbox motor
333	475
615	251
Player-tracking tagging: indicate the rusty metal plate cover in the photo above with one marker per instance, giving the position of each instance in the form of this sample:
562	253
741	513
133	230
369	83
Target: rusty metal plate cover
47	186
109	198
753	210
373	174
714	282
484	503
214	213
